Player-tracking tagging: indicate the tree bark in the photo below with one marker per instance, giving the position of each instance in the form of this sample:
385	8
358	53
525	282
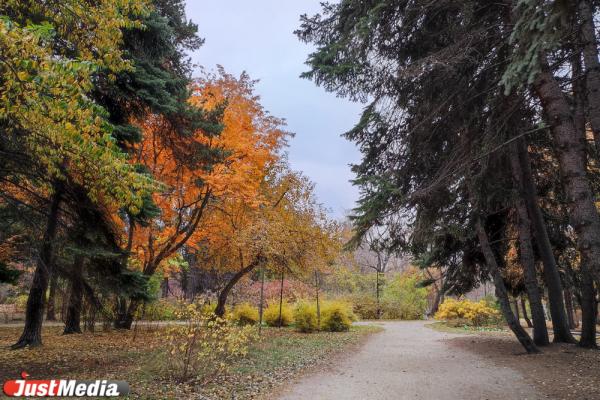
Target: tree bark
124	313
570	309
525	316
437	300
34	313
222	300
377	295
517	312
540	331
592	68
73	319
560	325
589	314
570	146
51	309
501	292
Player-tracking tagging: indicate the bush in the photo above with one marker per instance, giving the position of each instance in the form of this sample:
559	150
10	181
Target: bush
336	316
19	301
271	314
245	314
205	346
403	299
161	310
466	312
305	317
365	305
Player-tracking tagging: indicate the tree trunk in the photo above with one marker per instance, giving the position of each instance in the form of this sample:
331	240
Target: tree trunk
165	288
51	312
437	300
570	310
560	325
589	313
280	322
72	322
124	314
540	331
501	292
526	317
570	146
517	313
34	313
222	300
377	294
592	68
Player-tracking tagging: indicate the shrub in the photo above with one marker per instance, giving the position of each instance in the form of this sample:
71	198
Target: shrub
305	317
271	314
245	314
403	299
205	346
365	305
466	312
161	310
336	316
19	301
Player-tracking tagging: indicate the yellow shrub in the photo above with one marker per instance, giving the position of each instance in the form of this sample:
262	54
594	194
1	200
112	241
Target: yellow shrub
305	316
336	316
271	314
205	346
473	313
245	314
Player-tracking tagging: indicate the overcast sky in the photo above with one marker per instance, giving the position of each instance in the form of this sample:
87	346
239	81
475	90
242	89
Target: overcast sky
257	37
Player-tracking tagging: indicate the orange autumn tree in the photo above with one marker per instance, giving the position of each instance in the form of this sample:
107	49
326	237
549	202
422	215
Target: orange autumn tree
193	184
289	231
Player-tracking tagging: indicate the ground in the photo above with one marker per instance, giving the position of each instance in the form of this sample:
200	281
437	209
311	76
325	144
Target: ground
411	361
398	360
136	357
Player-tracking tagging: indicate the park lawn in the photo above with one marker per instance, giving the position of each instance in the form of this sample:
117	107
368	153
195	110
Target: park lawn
442	326
136	357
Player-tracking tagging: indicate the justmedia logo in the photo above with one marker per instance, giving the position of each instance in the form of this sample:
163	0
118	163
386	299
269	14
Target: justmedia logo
64	388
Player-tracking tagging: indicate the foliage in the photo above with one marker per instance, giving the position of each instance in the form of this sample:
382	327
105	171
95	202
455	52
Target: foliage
205	346
305	316
271	314
403	298
53	121
472	313
161	310
245	314
19	301
365	305
336	316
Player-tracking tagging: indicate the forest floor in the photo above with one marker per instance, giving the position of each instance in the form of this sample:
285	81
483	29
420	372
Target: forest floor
137	357
410	361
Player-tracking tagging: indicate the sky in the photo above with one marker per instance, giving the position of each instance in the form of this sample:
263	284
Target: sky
257	37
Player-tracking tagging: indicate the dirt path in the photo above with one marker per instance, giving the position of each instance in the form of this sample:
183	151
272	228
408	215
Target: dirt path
411	361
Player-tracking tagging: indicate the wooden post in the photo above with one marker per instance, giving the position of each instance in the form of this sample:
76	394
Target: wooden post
262	297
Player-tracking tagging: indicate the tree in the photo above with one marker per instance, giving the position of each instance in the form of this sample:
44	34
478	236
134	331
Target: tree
437	110
49	121
196	186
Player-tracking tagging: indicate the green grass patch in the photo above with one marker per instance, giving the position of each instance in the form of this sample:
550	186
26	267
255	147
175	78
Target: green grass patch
281	355
442	326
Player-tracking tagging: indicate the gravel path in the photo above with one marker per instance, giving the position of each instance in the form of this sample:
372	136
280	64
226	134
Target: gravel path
411	361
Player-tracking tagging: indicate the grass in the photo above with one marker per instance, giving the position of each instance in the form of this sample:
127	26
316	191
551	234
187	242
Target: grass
280	355
442	326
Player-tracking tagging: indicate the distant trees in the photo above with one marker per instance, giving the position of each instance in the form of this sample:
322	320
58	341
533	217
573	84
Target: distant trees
473	109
